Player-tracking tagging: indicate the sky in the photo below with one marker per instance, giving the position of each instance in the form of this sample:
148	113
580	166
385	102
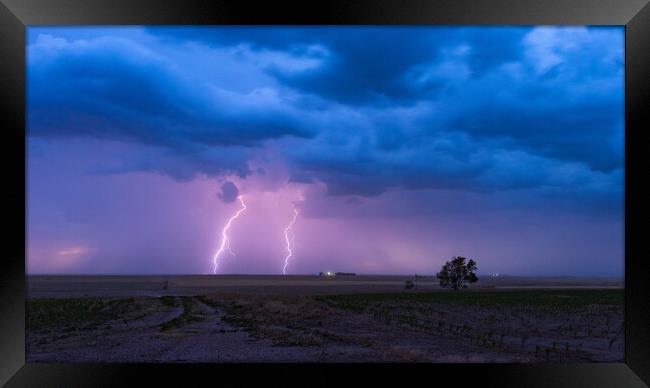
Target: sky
395	148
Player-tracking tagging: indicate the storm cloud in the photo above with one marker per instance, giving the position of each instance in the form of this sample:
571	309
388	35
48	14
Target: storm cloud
360	109
433	130
229	192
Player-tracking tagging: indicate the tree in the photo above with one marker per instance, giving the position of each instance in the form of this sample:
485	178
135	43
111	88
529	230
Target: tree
455	273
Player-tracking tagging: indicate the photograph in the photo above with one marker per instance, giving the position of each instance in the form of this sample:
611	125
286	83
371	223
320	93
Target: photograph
325	194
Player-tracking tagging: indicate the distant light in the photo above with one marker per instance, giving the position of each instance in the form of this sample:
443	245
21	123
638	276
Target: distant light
73	251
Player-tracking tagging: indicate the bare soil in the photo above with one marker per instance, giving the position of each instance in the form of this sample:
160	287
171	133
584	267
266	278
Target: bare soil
563	325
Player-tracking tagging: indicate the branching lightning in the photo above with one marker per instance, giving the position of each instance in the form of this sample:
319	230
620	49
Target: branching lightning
290	240
225	241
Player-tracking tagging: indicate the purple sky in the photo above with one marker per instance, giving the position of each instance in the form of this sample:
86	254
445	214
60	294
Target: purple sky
410	145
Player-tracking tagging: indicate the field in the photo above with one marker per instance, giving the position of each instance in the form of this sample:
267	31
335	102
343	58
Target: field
316	319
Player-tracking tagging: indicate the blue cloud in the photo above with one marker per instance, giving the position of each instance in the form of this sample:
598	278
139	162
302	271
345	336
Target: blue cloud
361	109
113	87
363	65
229	192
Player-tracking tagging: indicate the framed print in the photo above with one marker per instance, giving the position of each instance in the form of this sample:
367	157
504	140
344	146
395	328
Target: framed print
276	193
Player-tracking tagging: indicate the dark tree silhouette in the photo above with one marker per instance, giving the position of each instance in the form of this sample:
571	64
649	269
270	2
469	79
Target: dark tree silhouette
455	273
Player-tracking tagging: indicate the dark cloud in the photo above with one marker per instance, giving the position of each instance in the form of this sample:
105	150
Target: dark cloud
229	192
114	88
363	65
362	110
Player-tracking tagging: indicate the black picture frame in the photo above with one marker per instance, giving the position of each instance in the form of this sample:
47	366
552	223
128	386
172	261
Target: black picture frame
15	15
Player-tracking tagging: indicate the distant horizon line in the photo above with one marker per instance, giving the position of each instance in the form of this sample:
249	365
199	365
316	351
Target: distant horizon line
317	274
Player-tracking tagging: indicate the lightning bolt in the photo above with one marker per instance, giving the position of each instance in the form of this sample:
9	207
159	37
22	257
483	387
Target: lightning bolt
225	241
290	241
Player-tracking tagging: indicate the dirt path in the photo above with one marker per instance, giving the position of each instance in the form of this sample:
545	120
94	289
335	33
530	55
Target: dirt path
139	338
280	328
